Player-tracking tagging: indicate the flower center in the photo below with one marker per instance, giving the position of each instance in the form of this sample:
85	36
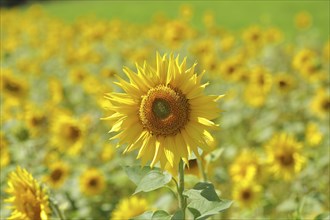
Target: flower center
286	159
164	110
56	175
161	108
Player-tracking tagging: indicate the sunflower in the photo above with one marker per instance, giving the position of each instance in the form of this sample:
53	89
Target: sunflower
284	83
36	119
246	166
246	193
320	104
58	172
284	156
29	200
303	20
13	86
163	112
92	182
230	69
67	134
129	208
313	135
4	151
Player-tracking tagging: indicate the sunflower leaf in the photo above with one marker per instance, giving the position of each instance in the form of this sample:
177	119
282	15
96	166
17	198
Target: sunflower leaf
136	173
144	216
152	180
204	202
160	215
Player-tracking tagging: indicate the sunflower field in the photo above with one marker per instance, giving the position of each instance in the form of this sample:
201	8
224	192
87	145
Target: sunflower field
176	116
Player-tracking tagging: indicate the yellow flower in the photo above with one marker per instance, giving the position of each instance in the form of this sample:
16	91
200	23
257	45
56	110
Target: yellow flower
67	133
284	156
253	36
55	90
5	157
107	152
259	85
273	35
29	200
12	86
303	57
175	32
36	119
245	167
227	43
58	172
92	182
186	12
231	69
129	208
246	193
284	83
78	74
303	20
313	135
163	112
320	104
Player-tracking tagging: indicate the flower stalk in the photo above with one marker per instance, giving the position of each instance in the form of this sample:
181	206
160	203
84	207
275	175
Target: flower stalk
182	199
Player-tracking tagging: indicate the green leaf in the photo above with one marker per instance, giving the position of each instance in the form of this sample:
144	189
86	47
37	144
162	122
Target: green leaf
152	180
323	216
145	216
204	202
214	155
136	173
160	215
178	215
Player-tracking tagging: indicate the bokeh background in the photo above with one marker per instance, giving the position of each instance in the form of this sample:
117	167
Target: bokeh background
270	58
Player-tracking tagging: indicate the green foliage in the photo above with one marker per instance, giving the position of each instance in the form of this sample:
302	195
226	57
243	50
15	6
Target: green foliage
323	216
204	202
160	215
147	179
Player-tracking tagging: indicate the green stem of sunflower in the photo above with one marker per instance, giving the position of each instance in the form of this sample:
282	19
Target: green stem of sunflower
201	169
56	209
182	199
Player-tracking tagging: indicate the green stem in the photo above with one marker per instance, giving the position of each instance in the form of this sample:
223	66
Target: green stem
182	199
56	209
202	170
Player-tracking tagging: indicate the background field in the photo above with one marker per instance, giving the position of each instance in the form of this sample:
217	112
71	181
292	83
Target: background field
233	15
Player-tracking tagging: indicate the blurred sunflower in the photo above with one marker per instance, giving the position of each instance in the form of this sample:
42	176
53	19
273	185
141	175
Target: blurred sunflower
253	36
129	208
36	119
246	193
4	151
246	166
313	135
163	112
13	86
29	200
284	157
67	134
58	172
303	20
92	182
320	104
284	83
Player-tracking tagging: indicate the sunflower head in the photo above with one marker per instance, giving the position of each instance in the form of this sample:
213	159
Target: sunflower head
28	199
284	156
92	182
58	172
129	208
247	193
163	112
